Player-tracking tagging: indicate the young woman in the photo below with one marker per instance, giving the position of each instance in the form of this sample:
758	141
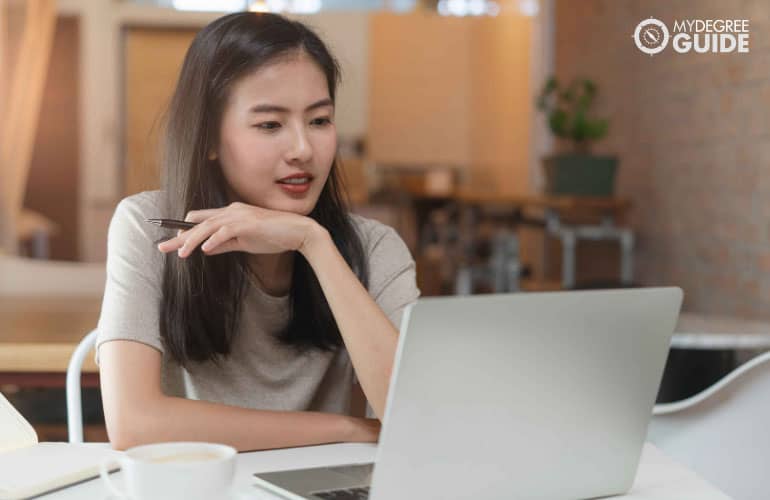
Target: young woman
250	328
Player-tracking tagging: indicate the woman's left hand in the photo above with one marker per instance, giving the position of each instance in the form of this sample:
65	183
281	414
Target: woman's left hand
240	227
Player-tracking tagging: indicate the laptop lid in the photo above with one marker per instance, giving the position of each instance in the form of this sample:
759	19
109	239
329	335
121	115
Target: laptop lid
536	396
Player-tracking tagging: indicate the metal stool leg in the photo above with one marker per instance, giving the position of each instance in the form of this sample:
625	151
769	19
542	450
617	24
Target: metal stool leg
464	281
569	244
627	257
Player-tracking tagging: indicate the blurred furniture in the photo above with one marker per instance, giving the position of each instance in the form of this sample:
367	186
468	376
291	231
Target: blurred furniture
353	173
74	371
697	331
44	309
658	476
38	336
570	233
37	230
721	433
502	271
24	277
705	348
459	213
21	108
556	210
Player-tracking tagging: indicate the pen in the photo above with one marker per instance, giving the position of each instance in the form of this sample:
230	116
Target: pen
171	223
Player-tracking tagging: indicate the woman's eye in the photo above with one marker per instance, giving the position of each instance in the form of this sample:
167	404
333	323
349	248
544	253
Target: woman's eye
268	125
321	121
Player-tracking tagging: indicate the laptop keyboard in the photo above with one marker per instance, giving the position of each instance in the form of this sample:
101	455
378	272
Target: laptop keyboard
346	494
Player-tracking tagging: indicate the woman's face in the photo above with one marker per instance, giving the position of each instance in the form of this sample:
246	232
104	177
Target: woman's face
277	122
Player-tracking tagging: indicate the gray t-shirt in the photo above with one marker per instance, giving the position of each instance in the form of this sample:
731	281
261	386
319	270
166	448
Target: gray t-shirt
260	373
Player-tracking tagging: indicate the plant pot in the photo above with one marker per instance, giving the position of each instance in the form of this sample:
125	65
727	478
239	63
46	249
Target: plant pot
580	175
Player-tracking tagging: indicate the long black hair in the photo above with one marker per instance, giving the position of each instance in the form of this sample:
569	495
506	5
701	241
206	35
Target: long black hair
202	295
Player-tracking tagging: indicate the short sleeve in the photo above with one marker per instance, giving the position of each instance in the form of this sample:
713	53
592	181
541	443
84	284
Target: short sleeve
131	303
392	274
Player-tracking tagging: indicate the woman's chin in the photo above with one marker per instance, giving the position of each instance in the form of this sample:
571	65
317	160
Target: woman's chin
299	207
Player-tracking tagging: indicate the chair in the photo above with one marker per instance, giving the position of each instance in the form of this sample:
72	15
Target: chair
74	405
721	433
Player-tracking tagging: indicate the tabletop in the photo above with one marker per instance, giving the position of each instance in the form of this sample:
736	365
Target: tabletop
658	476
39	334
699	331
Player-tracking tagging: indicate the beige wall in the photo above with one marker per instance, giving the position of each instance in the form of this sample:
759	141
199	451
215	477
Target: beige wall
692	134
501	102
453	91
419	104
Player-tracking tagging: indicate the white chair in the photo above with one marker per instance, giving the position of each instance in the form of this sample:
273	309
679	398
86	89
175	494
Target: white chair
722	433
74	403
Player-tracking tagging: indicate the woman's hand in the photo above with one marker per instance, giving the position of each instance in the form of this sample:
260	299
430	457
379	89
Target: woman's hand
239	227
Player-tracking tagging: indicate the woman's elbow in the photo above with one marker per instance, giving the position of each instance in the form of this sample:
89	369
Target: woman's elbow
129	430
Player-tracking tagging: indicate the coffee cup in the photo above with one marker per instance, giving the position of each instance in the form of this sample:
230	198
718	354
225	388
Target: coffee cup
171	471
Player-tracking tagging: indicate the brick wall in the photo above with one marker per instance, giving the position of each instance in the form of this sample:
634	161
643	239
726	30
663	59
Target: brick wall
692	134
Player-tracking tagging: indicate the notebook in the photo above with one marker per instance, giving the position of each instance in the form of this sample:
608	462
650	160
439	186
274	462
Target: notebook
29	468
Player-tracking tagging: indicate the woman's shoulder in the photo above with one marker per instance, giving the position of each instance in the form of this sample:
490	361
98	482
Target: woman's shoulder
377	237
128	226
145	203
371	230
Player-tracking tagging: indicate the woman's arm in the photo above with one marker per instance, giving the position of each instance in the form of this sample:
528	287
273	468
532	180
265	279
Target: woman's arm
137	412
369	336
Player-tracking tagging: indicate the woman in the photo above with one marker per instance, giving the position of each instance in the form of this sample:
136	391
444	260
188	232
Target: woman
250	328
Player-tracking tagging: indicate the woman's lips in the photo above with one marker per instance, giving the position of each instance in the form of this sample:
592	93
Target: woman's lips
296	188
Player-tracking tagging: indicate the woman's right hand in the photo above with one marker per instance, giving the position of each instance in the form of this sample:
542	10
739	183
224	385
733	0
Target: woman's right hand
363	430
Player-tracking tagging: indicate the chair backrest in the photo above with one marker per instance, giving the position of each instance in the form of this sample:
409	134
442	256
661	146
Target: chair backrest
20	276
722	433
74	404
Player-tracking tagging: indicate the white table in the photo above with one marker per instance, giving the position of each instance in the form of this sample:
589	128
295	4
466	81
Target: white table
658	476
698	331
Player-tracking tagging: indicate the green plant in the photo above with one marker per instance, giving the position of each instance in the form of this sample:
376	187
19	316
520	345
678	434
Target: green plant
567	110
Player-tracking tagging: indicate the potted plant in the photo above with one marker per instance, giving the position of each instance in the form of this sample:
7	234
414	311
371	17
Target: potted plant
578	172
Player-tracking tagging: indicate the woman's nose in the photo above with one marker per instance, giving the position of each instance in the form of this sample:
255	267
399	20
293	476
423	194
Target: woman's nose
301	150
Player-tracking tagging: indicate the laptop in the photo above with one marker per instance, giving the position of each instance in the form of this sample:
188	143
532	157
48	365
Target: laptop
511	396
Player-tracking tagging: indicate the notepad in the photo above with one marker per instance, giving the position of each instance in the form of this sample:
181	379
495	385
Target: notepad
29	468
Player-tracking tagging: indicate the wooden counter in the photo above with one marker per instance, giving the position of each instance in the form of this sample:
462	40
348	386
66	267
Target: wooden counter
38	335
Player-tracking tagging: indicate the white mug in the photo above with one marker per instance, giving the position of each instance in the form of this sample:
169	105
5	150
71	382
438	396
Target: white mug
171	471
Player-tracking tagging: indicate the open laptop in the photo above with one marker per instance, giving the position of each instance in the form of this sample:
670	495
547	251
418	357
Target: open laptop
505	396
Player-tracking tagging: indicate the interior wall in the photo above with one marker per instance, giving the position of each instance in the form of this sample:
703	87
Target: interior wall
501	101
692	134
420	90
453	91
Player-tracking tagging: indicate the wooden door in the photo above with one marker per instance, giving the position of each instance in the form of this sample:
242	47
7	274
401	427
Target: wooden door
153	59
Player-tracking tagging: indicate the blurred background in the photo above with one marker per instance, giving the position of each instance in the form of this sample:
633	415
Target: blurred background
515	145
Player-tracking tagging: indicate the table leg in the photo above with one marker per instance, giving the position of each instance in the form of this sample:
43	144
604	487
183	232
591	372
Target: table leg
569	244
627	257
